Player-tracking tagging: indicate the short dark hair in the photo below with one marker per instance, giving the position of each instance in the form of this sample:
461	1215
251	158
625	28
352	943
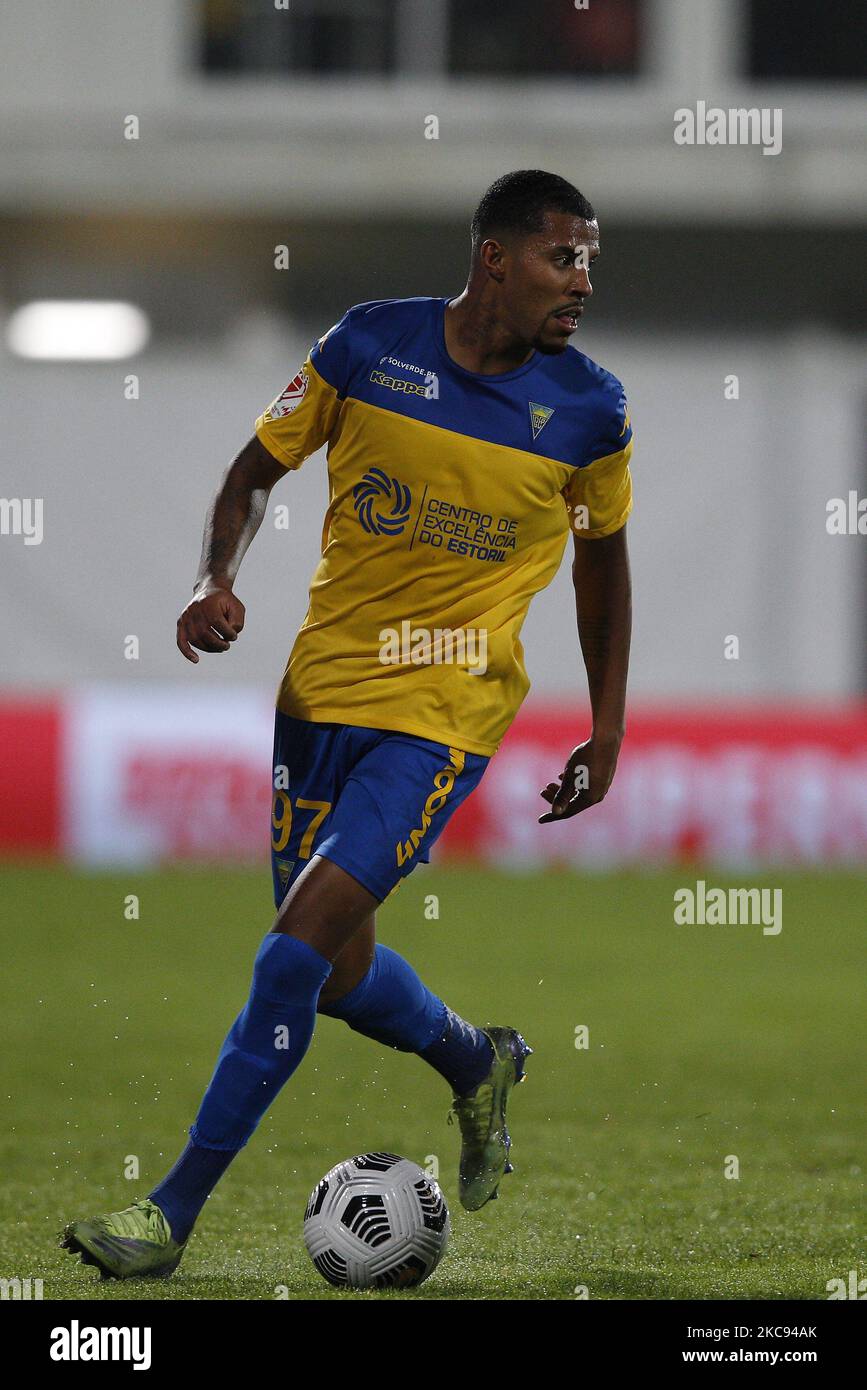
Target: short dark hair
517	202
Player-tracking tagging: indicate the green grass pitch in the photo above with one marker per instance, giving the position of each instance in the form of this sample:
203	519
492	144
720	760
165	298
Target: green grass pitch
704	1042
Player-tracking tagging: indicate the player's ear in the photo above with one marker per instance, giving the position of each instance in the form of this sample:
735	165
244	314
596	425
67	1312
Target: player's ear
492	255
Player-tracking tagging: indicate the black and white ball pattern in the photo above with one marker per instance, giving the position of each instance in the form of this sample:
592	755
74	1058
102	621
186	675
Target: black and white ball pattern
376	1221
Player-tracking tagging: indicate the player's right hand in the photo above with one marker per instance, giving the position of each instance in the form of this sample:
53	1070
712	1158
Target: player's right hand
211	621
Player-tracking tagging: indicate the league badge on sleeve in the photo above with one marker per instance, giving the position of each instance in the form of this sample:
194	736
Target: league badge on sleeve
291	397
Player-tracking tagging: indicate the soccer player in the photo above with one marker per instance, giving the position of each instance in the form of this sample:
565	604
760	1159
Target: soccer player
466	439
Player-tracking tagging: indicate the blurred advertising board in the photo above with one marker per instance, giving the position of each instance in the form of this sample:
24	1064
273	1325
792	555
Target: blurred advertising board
109	776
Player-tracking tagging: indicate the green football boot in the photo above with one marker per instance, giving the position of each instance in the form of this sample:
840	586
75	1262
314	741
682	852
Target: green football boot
482	1119
132	1244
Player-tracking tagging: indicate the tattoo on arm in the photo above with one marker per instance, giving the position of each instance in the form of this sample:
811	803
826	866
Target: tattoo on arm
236	513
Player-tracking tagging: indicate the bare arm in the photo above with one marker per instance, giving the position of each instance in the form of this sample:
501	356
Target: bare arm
214	616
603	601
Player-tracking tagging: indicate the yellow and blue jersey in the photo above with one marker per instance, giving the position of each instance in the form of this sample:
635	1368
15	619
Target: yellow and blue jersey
451	497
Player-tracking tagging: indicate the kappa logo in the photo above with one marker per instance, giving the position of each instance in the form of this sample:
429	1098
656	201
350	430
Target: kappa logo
291	397
371	497
428	387
539	417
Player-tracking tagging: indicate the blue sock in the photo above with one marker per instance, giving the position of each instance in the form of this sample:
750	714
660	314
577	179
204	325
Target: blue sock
186	1187
463	1054
264	1046
392	1006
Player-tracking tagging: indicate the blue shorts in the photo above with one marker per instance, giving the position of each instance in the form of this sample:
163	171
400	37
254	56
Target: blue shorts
372	800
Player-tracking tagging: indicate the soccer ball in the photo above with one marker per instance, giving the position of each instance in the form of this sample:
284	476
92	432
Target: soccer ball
376	1221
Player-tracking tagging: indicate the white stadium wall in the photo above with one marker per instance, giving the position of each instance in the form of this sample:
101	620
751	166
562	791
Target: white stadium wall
728	536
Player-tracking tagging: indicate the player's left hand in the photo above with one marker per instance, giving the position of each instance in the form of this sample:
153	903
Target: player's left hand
584	780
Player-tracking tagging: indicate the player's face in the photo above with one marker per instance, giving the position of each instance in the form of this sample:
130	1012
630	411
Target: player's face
548	280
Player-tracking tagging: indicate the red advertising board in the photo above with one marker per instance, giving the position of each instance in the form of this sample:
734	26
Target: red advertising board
762	784
109	776
30	775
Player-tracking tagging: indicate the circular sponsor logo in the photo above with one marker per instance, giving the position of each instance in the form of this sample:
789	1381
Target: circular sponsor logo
382	503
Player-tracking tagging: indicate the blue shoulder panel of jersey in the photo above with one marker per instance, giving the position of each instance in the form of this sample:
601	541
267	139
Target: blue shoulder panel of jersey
342	353
391	354
608	426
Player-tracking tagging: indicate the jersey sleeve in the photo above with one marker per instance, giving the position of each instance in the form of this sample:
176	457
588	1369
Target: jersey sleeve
303	417
598	496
